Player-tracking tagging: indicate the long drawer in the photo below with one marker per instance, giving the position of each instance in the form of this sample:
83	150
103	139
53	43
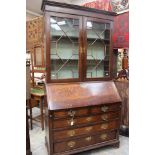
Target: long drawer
85	111
71	122
60	135
82	142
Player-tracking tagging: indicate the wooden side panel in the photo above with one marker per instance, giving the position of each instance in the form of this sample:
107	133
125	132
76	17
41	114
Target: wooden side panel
123	89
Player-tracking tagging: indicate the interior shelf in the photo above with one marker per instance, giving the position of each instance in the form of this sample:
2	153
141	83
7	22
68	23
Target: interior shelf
78	60
76	38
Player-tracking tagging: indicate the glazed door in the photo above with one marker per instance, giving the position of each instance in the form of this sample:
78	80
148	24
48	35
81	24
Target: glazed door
64	47
97	49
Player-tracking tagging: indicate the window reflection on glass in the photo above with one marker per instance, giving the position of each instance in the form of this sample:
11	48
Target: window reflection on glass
64	52
98	41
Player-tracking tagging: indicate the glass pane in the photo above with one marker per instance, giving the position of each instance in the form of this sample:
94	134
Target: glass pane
98	41
38	56
64	52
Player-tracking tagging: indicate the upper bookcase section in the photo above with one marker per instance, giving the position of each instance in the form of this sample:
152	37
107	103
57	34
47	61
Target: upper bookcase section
48	5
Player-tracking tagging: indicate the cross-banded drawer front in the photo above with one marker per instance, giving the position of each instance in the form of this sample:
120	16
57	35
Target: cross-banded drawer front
70	113
60	135
85	120
105	108
82	142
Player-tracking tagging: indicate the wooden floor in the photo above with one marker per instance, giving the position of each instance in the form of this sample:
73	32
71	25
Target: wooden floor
37	139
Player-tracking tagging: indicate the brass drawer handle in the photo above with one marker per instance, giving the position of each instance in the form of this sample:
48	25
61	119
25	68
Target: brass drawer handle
104	108
89	128
71	133
88	139
71	144
104	117
104	126
71	122
89	119
72	113
103	136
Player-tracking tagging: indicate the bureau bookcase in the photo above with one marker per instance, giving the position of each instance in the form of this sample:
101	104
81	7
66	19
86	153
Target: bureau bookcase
83	110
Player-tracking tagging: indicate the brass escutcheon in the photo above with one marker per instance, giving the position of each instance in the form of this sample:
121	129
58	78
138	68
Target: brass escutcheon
71	133
89	118
71	144
104	126
103	136
88	138
71	122
89	128
104	108
104	117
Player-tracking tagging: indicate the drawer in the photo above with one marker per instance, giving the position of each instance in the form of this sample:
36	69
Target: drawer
105	108
70	113
59	135
82	142
72	122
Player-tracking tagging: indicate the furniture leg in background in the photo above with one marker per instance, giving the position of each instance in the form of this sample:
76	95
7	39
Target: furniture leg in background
39	97
28	148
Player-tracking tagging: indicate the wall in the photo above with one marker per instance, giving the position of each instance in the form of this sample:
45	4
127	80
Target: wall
121	31
80	2
30	16
99	4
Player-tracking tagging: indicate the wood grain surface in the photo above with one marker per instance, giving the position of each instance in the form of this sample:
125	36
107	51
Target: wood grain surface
71	95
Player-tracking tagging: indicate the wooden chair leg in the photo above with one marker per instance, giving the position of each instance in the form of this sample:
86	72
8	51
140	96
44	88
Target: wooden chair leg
45	101
30	105
42	115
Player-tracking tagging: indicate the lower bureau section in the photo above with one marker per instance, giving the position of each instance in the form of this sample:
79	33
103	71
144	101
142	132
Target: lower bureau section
81	117
83	142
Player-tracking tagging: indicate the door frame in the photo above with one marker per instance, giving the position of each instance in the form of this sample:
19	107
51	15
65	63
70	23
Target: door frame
48	47
99	20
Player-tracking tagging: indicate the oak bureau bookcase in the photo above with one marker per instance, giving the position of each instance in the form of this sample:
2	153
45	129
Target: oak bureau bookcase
83	105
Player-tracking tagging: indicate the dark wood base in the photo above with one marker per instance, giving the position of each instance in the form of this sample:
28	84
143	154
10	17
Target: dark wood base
115	143
124	131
